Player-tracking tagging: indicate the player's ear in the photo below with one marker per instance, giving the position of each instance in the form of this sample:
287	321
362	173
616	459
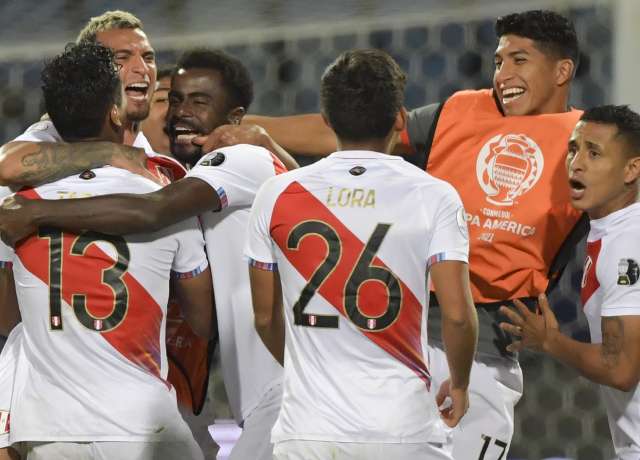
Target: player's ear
114	116
235	115
326	120
632	171
565	69
401	120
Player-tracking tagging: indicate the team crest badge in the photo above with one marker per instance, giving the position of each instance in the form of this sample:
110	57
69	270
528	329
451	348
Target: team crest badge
628	272
213	159
508	166
87	175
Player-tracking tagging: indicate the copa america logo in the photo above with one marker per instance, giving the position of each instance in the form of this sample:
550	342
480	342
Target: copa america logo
508	166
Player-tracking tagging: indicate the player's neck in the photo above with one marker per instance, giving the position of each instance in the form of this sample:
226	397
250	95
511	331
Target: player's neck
620	202
373	145
131	131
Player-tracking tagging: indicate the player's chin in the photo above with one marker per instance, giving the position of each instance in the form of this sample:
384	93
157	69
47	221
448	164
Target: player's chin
186	153
137	111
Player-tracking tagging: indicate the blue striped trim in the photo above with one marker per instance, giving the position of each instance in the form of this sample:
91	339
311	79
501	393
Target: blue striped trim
271	267
187	275
6	264
439	257
224	201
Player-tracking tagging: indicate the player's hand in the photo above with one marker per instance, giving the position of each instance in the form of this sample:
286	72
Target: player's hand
227	135
532	330
16	219
134	160
453	403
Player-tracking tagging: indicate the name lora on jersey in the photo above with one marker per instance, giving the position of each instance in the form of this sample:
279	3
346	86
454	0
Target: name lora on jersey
351	197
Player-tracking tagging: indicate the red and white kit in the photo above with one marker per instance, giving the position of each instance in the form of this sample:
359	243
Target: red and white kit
611	287
352	237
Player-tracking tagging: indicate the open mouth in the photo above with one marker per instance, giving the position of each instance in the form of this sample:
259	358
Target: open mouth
577	189
183	134
137	91
511	94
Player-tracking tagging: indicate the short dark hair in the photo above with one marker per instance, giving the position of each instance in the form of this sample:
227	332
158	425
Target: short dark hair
165	71
626	120
361	93
80	87
553	33
235	76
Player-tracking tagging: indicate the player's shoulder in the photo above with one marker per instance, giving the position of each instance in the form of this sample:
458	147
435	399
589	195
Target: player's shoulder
98	181
41	131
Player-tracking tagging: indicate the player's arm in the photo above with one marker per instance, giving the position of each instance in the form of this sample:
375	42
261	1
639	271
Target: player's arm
9	311
195	296
266	293
228	135
118	214
615	362
34	163
301	134
8	453
459	331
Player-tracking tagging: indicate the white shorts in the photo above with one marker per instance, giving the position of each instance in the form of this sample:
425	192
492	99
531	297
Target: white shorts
8	359
187	450
319	450
255	441
495	387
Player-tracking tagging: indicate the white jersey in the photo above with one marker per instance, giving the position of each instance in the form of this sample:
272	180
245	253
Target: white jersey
8	359
6	253
611	287
352	237
92	363
45	131
236	173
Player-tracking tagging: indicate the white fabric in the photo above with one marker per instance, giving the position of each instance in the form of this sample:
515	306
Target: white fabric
358	390
617	234
183	450
79	384
318	450
255	440
8	359
495	387
248	369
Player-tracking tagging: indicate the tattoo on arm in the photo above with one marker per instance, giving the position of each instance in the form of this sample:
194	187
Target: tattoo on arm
49	162
612	340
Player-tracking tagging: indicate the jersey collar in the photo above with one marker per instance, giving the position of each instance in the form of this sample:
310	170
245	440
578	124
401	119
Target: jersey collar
363	154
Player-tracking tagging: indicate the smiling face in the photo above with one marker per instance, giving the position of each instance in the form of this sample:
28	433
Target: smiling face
600	174
197	105
136	59
528	81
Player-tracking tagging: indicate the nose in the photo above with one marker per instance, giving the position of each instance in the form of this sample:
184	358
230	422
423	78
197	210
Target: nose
139	65
575	162
503	73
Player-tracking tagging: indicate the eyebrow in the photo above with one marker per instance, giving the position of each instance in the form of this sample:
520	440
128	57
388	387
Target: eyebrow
512	53
593	145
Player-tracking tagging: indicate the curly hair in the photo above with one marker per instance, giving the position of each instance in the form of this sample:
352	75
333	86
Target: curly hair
116	19
553	34
235	76
80	86
622	117
361	93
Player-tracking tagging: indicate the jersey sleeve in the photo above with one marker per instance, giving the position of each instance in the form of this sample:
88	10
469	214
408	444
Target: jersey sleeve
259	247
42	131
191	258
450	240
235	173
6	256
619	276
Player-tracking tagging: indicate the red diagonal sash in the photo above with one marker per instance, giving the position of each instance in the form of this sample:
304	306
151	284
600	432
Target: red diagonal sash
402	339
